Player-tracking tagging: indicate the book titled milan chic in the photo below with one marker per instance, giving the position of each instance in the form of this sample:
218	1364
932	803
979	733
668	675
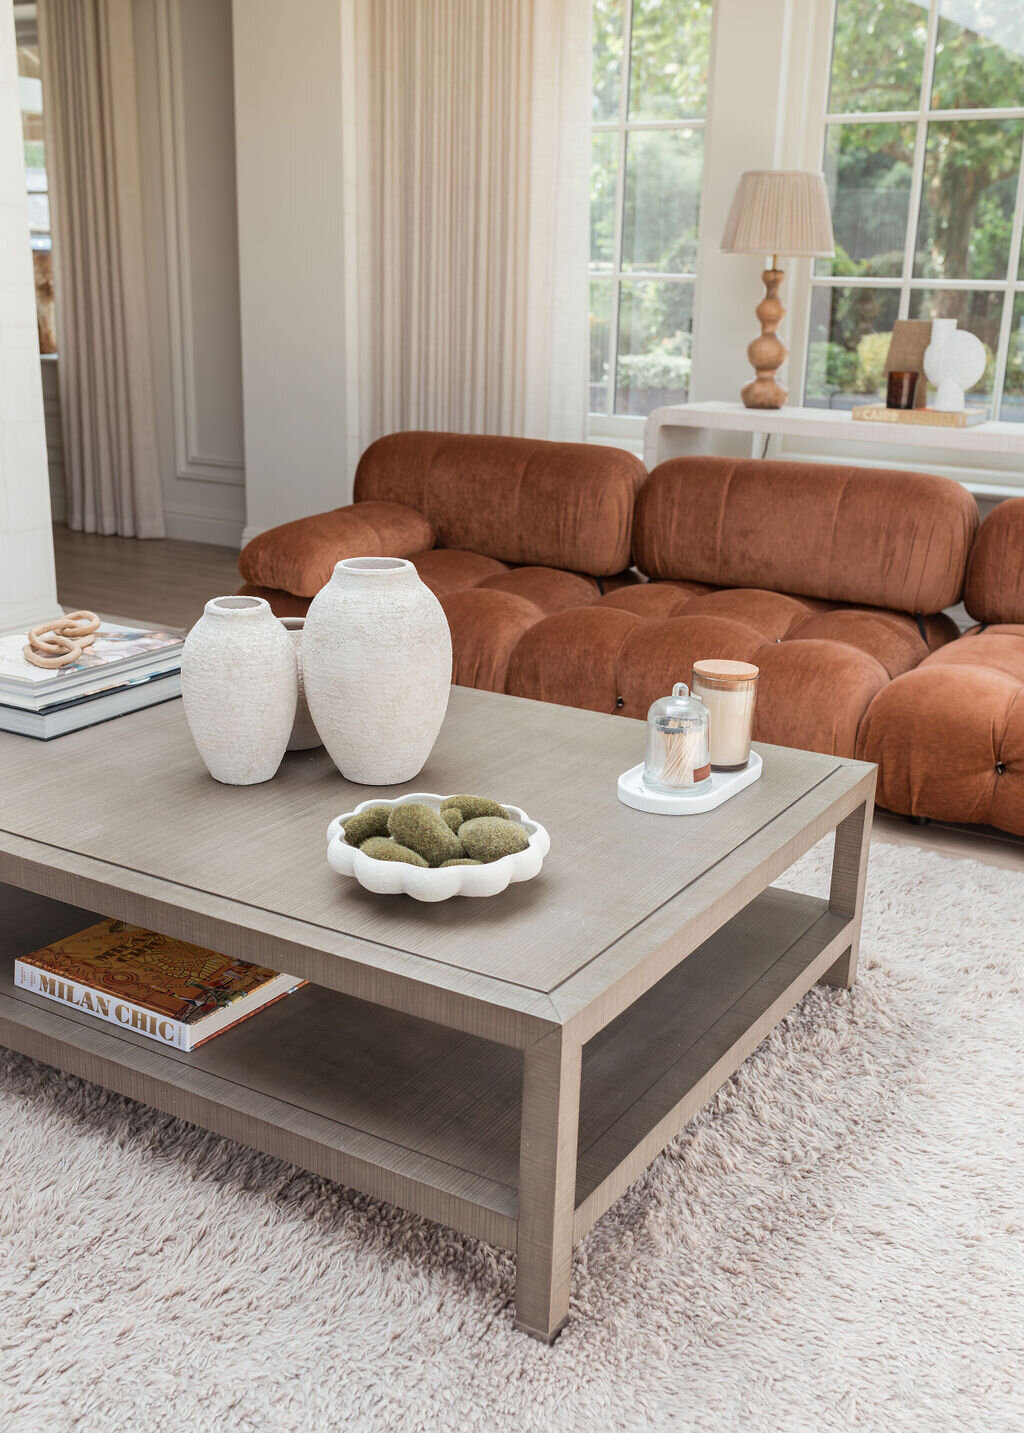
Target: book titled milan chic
173	992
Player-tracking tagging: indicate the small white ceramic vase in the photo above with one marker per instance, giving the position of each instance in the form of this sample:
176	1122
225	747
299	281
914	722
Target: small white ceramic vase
239	685
377	666
304	734
954	361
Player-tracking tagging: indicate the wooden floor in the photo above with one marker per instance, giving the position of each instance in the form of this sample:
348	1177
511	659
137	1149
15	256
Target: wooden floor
154	581
169	581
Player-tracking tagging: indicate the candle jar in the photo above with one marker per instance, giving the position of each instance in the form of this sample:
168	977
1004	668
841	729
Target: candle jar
677	742
729	691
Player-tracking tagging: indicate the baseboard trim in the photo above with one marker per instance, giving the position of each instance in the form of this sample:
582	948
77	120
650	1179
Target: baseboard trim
189	525
248	533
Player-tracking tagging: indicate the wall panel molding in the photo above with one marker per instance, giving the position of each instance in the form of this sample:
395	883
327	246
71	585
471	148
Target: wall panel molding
195	458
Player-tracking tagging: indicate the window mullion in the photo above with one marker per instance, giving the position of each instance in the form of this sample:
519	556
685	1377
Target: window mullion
920	142
620	210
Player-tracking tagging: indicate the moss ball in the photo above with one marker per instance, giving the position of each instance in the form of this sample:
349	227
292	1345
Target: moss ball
461	861
474	806
383	849
452	816
419	827
488	838
373	822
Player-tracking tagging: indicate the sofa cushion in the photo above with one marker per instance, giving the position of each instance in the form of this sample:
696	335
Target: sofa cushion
486	629
949	736
299	556
547	587
445	569
994	591
887	539
571	658
519	500
282	604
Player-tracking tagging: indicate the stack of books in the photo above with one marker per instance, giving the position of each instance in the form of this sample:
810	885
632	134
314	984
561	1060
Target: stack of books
125	668
151	985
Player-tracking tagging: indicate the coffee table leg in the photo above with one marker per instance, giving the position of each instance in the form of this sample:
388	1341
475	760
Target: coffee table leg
849	871
547	1184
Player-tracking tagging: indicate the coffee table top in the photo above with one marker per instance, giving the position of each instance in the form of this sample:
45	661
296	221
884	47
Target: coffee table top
124	819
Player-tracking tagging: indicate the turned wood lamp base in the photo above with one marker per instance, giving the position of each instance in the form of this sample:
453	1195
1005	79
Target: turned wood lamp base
767	353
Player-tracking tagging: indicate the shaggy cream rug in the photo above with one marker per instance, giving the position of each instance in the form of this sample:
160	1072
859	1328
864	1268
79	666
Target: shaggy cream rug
834	1244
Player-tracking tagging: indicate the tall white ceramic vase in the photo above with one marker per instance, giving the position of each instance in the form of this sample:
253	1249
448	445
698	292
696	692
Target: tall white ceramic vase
377	665
239	685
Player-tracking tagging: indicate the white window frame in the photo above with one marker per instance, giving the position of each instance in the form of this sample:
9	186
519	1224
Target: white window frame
618	429
1010	286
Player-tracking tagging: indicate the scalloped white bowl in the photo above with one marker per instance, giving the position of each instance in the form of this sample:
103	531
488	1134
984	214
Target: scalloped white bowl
393	878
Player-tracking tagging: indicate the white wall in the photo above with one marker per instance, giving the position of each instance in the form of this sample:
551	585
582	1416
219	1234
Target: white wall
28	590
291	105
184	78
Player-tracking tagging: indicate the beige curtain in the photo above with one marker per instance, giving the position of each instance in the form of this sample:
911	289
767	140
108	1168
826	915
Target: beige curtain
104	366
473	215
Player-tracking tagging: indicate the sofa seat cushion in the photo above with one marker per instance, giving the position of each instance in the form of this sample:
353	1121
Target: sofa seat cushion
653	600
548	588
446	569
282	604
487	627
299	556
949	736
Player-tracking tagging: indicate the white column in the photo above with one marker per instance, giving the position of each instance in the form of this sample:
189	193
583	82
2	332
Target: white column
747	80
292	104
28	590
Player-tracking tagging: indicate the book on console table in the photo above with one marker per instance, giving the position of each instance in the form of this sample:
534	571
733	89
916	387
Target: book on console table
926	417
168	990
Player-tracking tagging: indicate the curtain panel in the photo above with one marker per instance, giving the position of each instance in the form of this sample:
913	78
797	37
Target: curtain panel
104	366
472	228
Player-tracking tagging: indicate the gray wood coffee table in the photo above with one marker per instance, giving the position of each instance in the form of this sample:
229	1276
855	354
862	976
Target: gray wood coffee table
506	1066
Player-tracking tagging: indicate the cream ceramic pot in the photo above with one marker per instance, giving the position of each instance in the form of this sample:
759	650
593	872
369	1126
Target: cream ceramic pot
239	686
377	668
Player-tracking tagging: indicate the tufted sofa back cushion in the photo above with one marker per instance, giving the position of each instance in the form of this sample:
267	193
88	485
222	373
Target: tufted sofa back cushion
519	500
889	539
995	573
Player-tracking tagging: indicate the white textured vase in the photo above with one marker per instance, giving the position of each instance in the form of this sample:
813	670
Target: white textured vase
239	685
377	664
954	361
304	734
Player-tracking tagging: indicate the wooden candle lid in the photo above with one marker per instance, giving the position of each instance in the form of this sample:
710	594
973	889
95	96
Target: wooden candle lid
724	671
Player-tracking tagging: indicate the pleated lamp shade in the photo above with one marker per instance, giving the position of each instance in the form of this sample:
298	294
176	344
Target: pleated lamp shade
780	211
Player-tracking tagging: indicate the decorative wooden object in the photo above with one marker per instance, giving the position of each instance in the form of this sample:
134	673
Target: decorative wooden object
60	643
506	1068
768	353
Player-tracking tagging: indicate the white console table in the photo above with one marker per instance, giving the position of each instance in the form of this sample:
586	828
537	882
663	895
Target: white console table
686	428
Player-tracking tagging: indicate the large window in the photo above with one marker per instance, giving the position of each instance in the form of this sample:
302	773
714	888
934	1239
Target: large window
923	153
650	97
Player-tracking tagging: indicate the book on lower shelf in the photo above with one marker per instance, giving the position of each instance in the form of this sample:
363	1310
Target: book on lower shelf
167	990
923	417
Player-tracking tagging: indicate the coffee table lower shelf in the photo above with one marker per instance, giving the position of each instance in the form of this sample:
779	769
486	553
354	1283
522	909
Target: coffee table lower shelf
429	1118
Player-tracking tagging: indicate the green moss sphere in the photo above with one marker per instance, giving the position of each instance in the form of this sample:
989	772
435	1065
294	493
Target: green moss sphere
361	827
488	838
461	861
452	816
419	827
383	849
474	806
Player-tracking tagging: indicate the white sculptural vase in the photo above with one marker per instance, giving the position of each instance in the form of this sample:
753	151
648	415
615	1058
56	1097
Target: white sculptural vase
239	686
304	734
954	361
377	666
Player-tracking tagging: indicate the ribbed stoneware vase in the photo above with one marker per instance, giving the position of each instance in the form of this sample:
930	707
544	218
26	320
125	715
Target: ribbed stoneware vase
239	685
377	665
304	734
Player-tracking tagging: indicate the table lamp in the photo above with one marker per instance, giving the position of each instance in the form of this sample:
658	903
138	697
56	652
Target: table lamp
776	211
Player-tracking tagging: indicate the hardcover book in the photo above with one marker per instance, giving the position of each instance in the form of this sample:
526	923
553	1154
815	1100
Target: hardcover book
168	990
924	417
115	649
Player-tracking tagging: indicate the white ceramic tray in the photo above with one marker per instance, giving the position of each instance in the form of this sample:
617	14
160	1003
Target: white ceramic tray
633	792
392	878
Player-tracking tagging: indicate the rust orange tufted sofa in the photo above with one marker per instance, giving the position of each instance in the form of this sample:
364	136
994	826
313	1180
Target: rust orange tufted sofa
569	575
949	736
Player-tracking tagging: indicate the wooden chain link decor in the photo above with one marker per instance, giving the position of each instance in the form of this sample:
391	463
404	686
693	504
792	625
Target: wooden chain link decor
60	643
